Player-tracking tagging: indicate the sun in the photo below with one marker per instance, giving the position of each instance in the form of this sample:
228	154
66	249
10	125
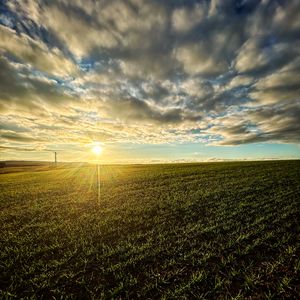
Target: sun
97	149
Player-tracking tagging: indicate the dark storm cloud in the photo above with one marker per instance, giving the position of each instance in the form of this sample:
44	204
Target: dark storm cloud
232	65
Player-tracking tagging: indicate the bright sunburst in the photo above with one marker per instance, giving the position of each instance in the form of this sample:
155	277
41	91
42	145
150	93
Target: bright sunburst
97	149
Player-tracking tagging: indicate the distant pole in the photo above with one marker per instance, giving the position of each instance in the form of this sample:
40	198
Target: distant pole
55	158
98	181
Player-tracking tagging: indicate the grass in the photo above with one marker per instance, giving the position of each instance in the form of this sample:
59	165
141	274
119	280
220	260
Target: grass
178	231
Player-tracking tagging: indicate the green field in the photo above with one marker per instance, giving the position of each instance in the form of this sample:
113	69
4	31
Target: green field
181	231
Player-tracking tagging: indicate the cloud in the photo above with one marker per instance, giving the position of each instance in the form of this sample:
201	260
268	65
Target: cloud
35	53
254	58
16	137
103	24
136	110
71	29
197	88
270	31
263	124
222	72
184	19
9	148
197	59
67	23
241	81
148	66
278	87
27	91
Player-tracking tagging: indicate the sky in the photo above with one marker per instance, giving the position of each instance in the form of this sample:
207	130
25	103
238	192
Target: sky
149	81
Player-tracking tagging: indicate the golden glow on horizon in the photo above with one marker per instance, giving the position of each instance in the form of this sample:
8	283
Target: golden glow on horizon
97	149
